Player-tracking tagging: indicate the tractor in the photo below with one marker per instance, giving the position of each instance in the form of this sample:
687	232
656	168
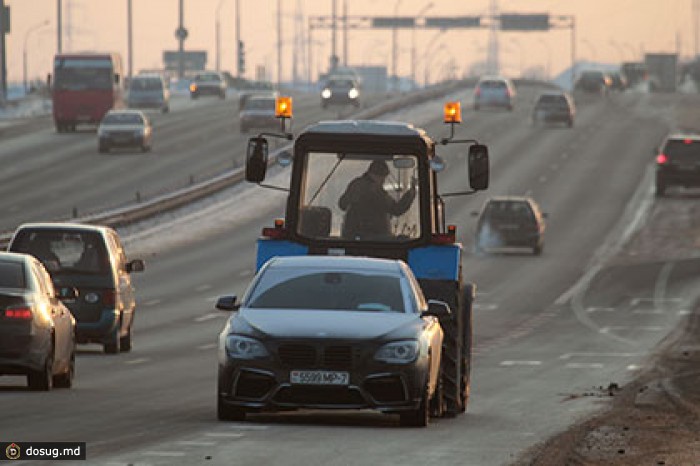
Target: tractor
325	158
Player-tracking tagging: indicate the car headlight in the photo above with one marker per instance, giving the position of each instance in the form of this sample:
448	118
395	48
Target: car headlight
353	93
398	352
326	93
241	347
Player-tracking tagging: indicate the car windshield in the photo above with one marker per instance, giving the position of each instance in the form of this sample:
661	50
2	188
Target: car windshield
208	78
341	200
12	275
288	288
122	119
343	83
149	84
508	210
260	104
493	84
62	251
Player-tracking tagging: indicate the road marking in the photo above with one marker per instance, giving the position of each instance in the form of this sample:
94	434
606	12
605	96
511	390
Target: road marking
484	307
584	365
170	454
633	367
248	427
210	316
683	312
598	355
225	434
543	179
648	311
204	287
637	301
245	273
521	363
212	299
152	302
137	361
195	443
600	309
207	346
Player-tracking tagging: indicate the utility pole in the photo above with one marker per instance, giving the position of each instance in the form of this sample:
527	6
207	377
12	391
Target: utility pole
4	29
279	43
493	59
129	34
181	34
239	70
59	27
334	43
345	33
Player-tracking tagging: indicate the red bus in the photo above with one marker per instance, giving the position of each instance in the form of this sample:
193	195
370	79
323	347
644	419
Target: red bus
85	87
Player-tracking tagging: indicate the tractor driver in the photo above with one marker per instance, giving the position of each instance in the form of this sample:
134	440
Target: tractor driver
369	207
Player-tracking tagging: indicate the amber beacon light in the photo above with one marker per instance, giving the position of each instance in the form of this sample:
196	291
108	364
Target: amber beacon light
453	112
283	107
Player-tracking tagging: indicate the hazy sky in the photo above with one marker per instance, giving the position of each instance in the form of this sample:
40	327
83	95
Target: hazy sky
606	30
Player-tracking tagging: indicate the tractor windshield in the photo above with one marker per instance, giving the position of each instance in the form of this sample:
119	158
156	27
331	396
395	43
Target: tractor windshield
359	197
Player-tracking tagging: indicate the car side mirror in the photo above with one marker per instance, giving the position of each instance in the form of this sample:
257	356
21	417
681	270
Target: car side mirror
256	160
228	303
437	309
478	161
136	265
67	293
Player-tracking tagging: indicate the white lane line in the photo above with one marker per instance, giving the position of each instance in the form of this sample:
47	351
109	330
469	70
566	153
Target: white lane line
683	312
210	316
543	179
584	365
637	301
152	302
520	363
598	355
484	307
249	427
648	311
600	309
208	346
224	434
633	367
245	273
204	287
196	443
137	361
165	454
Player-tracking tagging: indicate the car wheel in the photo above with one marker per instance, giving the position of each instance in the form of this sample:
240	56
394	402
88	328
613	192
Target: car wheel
125	342
537	250
165	110
226	412
145	147
420	416
112	345
65	380
660	189
103	148
41	380
570	123
222	96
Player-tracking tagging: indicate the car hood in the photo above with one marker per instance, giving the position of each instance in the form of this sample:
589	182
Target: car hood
287	323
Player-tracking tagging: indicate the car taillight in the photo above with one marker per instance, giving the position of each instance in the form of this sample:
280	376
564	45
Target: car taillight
19	313
445	238
276	232
109	297
661	159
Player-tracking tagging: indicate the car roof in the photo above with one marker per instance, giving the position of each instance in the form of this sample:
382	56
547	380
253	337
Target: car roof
349	263
377	127
64	226
494	78
677	136
125	111
510	198
15	257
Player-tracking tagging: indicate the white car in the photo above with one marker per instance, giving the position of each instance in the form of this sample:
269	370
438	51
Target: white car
124	128
494	91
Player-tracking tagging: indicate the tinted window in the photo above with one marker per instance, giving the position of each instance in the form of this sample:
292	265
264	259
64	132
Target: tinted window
122	119
290	289
12	275
508	209
493	84
341	83
260	104
678	149
75	251
146	84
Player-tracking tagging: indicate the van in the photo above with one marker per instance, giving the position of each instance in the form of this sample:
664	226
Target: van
149	91
90	259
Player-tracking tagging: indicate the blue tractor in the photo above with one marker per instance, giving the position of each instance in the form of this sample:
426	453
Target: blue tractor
326	158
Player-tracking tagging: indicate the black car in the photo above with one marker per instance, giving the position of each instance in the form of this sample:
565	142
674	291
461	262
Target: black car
340	92
208	83
678	163
91	259
37	332
554	107
259	113
593	82
510	221
330	332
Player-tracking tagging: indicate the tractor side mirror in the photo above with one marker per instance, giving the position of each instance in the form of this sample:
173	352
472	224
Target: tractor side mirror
478	167
256	160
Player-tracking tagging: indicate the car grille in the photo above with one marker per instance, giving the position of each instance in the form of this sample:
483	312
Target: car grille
319	396
253	385
311	356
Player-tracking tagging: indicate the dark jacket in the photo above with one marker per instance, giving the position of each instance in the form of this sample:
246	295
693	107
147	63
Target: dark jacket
369	208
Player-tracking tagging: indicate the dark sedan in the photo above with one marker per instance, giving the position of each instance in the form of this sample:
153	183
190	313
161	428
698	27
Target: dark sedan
37	332
334	333
510	222
554	107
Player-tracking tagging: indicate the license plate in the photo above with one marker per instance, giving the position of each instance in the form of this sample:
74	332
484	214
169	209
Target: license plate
319	378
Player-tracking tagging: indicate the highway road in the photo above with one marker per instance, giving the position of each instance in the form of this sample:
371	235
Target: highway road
552	332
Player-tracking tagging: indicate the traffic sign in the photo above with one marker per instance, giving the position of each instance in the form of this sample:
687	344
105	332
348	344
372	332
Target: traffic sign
181	33
393	22
518	22
453	22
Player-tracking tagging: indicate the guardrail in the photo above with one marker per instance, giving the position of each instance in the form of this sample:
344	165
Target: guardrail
170	201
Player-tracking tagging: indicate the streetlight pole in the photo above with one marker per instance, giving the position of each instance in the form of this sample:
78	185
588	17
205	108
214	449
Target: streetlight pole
394	53
129	34
24	51
217	29
413	42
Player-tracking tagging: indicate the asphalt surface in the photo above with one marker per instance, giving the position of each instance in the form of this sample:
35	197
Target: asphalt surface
547	328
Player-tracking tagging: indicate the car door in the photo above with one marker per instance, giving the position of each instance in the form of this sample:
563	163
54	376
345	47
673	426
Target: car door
63	323
124	287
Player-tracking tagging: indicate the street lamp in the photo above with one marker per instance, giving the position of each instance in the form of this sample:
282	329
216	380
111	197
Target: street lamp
394	38
24	51
413	42
218	35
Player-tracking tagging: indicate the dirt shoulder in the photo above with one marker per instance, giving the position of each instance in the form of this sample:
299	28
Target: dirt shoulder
655	419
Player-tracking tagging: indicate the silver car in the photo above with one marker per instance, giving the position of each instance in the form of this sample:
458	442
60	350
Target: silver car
494	91
149	91
124	128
